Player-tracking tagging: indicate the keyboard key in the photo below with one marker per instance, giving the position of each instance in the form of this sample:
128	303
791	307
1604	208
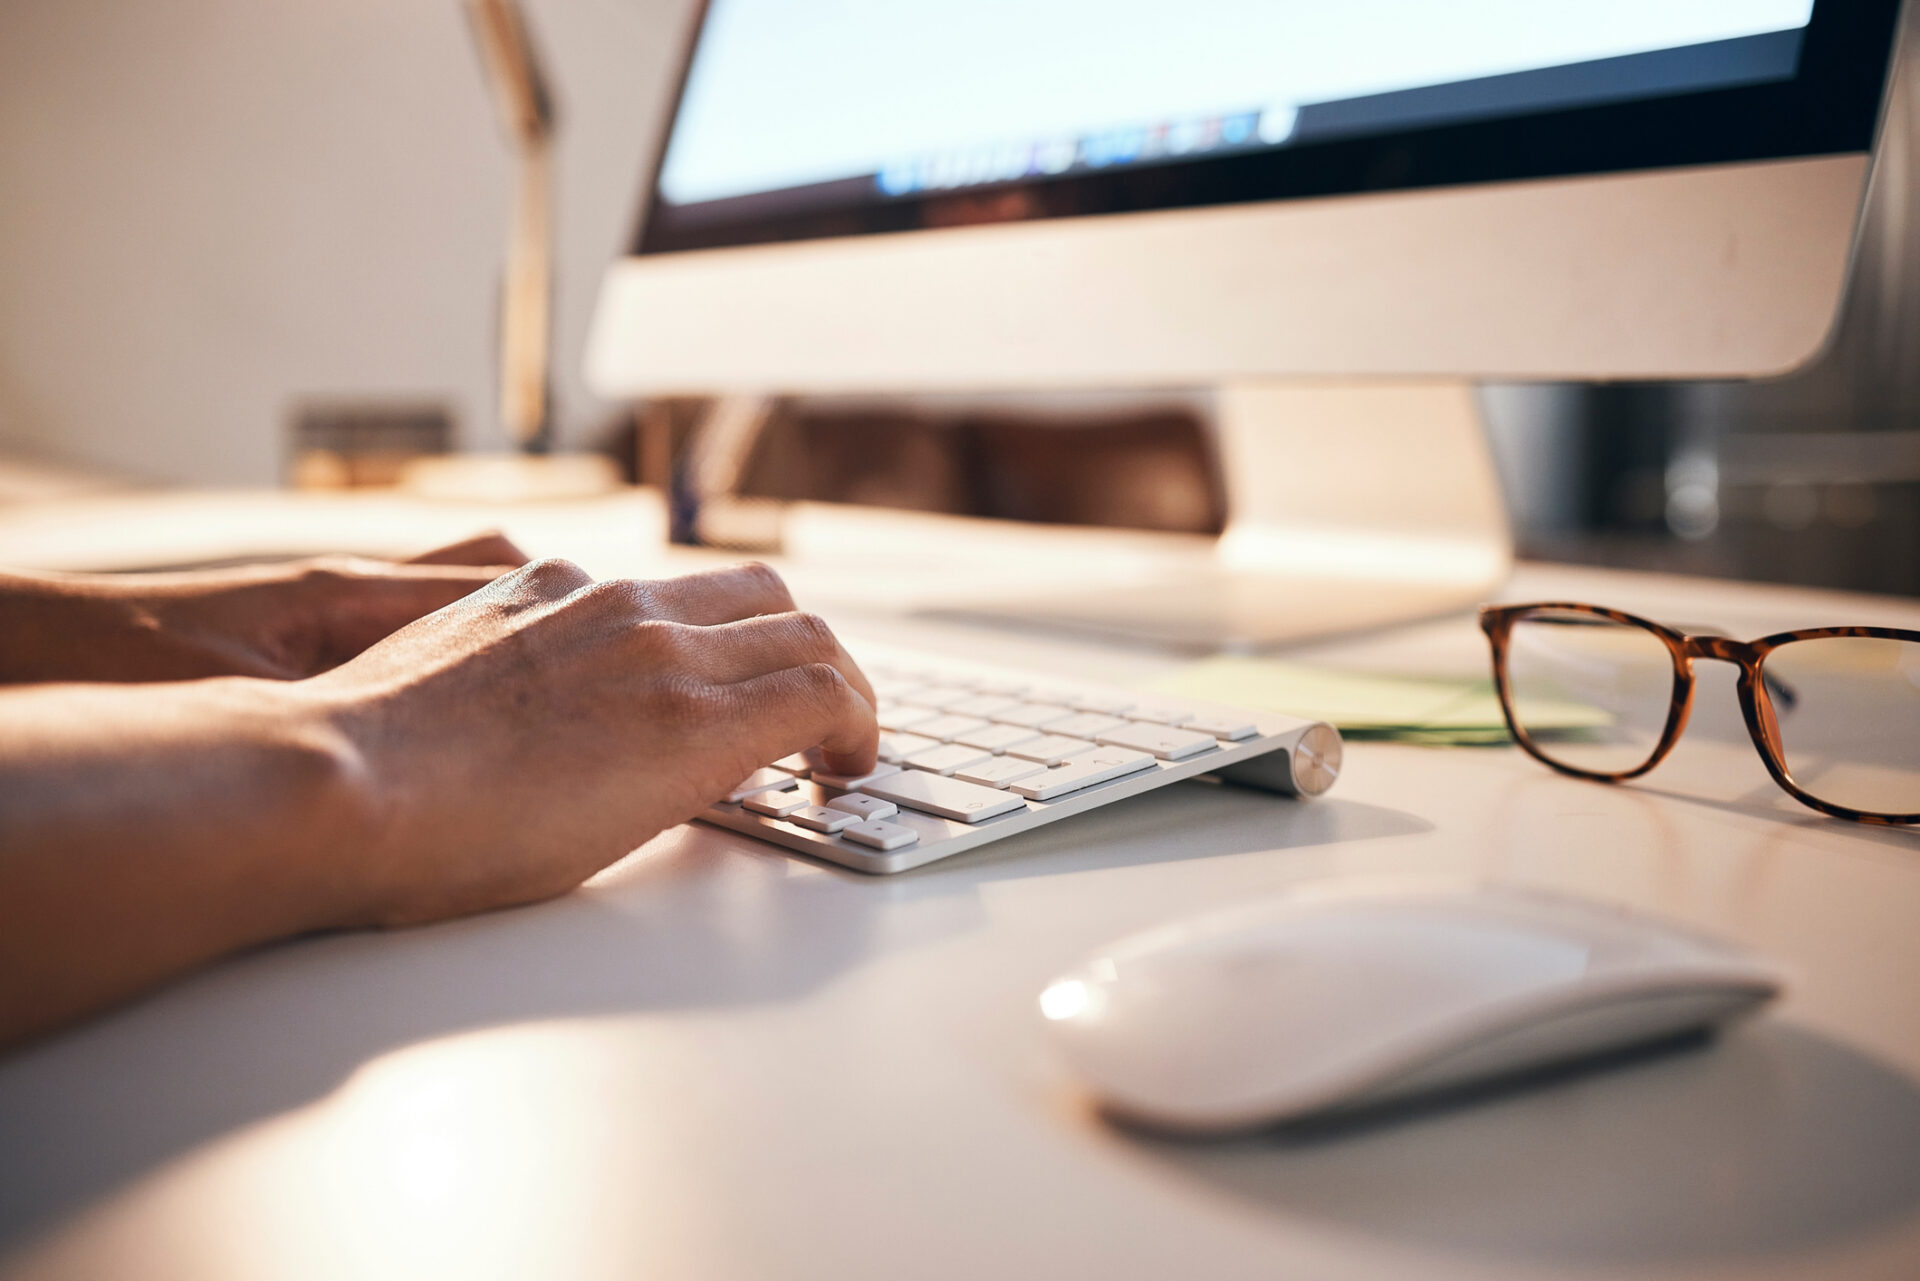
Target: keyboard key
946	758
947	797
999	771
936	696
1087	725
1164	741
895	748
851	782
1032	715
948	728
778	804
998	738
1097	766
902	715
1222	725
822	819
763	779
1050	750
799	764
1001	685
863	806
881	834
984	705
1106	704
1161	713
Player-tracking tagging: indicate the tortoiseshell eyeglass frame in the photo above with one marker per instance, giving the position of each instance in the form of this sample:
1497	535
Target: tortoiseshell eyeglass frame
1756	705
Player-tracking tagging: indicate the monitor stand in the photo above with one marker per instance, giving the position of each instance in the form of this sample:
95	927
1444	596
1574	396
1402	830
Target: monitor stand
1349	506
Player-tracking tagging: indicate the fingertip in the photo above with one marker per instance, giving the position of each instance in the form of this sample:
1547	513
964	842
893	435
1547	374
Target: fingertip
841	762
856	755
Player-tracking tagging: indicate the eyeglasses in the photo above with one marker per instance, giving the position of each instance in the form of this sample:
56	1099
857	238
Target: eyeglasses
1601	694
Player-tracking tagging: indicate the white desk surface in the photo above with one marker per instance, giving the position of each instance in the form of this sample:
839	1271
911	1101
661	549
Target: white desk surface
717	1061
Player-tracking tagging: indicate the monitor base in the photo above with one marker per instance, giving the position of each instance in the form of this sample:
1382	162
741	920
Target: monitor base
1350	506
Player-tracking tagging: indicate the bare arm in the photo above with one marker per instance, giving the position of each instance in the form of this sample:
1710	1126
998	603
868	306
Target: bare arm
282	621
146	830
496	752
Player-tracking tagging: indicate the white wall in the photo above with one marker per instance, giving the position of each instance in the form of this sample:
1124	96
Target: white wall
212	209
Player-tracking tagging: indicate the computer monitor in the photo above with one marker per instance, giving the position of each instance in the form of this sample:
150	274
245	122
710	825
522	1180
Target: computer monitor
1274	198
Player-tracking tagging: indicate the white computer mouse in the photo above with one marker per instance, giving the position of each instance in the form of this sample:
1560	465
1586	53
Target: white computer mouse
1344	998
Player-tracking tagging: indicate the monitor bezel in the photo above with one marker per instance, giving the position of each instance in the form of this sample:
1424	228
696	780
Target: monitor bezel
1843	41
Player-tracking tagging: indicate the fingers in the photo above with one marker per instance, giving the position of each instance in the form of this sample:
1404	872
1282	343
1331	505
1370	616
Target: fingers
751	615
797	708
754	646
719	596
788	683
490	548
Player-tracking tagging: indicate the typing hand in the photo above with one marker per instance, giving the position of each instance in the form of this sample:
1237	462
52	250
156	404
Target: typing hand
523	738
279	621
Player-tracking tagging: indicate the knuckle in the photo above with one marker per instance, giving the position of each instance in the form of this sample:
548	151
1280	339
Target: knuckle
823	683
688	701
660	640
620	597
557	575
767	580
816	640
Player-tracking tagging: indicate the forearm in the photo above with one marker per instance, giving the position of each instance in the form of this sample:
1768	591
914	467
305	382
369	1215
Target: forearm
96	627
283	621
144	831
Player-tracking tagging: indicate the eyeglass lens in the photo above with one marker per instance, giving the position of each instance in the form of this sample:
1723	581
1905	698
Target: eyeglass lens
1591	693
1848	712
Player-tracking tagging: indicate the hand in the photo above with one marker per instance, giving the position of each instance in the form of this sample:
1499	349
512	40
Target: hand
279	621
521	739
499	750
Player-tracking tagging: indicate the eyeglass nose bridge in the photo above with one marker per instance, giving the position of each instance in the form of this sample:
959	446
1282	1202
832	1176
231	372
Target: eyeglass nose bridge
1686	648
1724	649
1755	705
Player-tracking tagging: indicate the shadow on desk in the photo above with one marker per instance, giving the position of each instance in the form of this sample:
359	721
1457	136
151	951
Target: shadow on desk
1791	817
1201	818
1768	1142
685	923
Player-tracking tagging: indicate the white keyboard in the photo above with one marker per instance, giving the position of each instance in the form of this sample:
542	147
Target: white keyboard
971	754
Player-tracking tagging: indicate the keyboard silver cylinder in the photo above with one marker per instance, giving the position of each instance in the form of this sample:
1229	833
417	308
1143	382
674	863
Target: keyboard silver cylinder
1307	765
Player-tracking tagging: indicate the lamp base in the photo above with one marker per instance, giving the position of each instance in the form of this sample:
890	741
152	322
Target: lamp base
510	478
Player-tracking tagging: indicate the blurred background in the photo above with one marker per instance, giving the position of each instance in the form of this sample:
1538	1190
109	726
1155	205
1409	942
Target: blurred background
231	232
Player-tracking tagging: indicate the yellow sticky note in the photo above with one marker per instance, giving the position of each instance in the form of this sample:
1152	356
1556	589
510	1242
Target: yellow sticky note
1364	702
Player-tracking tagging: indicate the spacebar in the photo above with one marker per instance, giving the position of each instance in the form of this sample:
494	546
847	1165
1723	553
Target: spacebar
947	797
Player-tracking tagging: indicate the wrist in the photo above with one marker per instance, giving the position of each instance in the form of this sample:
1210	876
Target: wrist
330	809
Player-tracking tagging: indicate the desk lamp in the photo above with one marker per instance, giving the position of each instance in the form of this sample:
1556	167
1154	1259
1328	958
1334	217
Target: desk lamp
520	92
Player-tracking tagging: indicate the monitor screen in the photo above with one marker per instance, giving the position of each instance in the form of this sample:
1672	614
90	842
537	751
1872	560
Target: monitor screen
844	116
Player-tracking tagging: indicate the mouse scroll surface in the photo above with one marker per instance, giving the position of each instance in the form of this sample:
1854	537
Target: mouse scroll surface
1280	1010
